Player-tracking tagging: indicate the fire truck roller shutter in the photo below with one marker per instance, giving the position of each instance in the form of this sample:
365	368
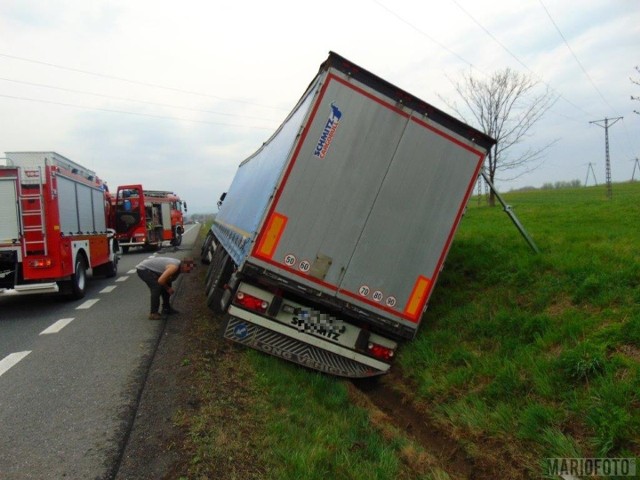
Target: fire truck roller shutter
8	211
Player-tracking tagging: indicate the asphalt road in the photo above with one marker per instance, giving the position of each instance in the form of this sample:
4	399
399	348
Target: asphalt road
71	374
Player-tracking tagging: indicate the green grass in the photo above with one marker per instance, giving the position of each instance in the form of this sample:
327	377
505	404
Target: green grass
535	355
540	351
258	417
313	430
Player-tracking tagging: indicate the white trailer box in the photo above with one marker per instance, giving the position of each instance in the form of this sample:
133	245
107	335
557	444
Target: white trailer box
341	222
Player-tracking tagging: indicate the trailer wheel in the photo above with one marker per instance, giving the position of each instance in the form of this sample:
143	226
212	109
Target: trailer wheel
79	278
207	278
222	273
217	258
206	252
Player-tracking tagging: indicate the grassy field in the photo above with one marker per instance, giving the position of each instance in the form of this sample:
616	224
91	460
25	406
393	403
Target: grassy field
521	356
540	352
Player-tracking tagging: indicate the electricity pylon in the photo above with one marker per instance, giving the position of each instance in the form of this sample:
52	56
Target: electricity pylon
606	147
637	164
590	169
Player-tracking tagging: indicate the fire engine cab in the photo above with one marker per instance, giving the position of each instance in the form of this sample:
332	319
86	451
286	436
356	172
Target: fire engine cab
147	218
53	225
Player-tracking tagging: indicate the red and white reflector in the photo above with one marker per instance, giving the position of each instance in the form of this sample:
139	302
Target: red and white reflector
251	303
380	351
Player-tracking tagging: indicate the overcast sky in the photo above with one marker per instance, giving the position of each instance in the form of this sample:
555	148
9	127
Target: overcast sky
176	94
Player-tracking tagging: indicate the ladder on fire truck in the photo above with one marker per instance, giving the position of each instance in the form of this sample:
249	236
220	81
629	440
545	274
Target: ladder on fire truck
32	222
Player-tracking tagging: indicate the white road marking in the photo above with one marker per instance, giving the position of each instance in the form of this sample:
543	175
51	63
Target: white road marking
132	271
88	304
108	289
56	327
122	279
10	360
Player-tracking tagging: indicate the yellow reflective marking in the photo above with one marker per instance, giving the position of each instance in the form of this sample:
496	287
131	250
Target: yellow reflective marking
272	235
417	298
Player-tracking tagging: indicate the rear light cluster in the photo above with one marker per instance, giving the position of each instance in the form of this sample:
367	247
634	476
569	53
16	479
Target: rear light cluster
251	303
40	263
378	351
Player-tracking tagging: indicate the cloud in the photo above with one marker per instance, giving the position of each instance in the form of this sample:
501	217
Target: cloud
209	82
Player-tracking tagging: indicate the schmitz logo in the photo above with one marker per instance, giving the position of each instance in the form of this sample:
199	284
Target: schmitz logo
328	132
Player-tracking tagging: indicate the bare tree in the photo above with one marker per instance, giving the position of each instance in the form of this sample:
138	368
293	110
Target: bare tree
637	82
505	106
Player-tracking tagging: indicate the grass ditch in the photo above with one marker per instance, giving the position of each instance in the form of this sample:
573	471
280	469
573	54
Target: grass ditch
539	351
520	356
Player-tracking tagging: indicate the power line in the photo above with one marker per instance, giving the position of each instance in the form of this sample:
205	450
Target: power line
441	45
495	39
515	57
421	32
575	57
41	85
491	35
136	82
132	113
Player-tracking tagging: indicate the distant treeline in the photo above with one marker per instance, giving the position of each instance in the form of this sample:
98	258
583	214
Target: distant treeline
551	186
202	217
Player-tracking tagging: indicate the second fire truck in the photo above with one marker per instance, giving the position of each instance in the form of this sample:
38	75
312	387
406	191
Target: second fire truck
147	218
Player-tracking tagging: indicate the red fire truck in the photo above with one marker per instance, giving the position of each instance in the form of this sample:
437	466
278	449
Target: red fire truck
53	225
147	218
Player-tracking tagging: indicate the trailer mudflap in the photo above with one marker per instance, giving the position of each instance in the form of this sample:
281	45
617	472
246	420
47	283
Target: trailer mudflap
276	339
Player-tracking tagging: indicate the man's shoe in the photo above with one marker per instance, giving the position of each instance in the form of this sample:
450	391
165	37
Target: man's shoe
170	311
155	316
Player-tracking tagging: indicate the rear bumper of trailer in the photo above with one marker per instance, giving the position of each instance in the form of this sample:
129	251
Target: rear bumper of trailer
290	344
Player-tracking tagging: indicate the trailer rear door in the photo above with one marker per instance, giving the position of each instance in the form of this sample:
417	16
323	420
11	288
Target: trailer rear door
412	222
369	202
325	200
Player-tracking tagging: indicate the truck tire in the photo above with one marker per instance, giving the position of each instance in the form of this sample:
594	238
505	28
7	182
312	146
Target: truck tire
176	240
213	267
206	252
219	278
125	249
207	278
79	278
152	247
111	269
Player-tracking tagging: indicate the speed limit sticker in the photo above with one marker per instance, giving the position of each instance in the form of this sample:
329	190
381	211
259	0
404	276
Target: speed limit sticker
391	301
304	266
364	290
290	260
377	296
